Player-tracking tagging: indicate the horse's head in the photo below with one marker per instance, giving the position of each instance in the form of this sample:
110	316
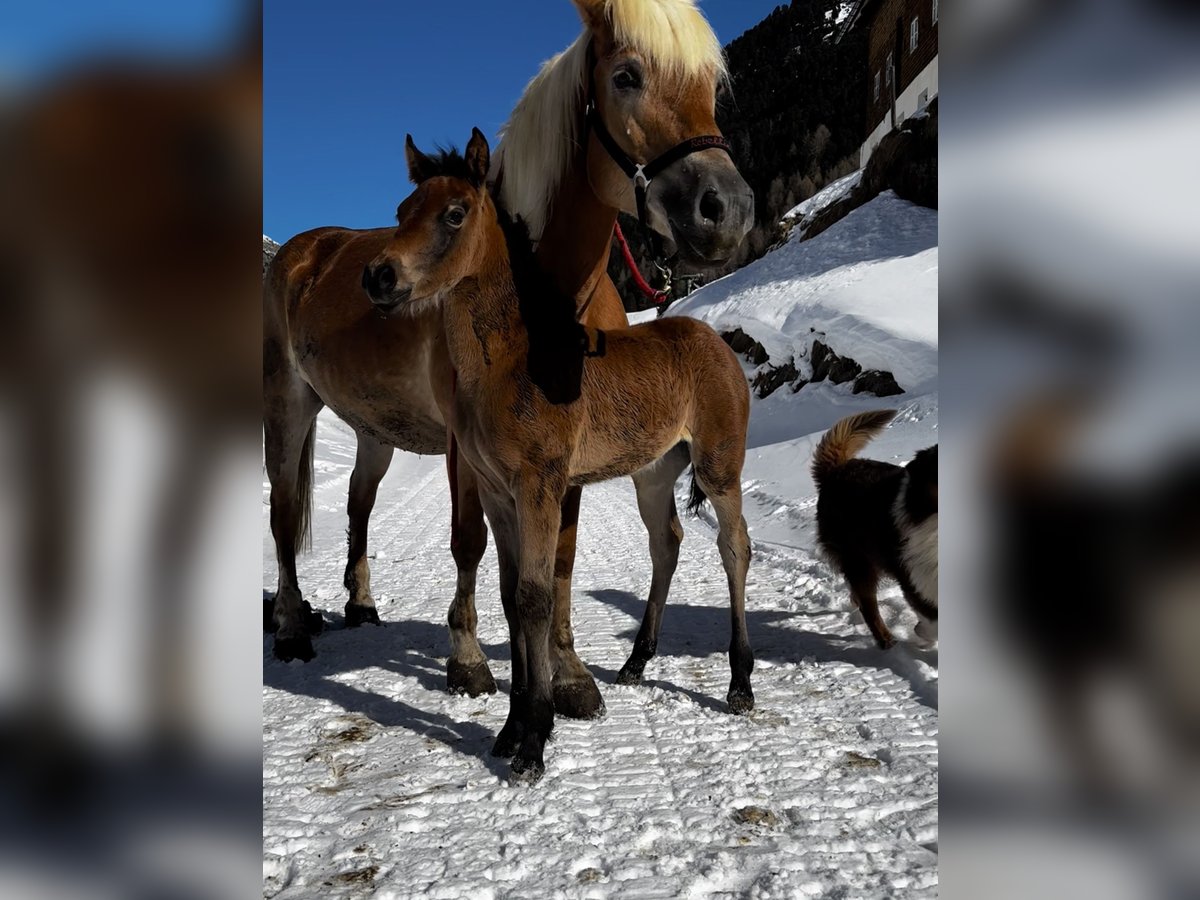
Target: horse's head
655	70
442	228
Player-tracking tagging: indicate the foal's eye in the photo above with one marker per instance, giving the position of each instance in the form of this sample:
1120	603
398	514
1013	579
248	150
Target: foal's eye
455	216
627	78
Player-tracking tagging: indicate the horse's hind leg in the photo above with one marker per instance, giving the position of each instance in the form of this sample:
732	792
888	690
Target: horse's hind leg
467	669
733	541
370	465
289	432
656	503
575	693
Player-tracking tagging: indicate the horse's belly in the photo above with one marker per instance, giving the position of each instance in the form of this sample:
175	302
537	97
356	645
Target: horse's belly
601	457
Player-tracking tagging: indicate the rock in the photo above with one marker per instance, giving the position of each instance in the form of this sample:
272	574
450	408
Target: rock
755	815
772	379
588	876
858	761
821	359
842	369
740	342
877	382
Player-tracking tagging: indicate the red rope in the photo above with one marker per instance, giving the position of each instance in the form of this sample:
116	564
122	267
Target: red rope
656	297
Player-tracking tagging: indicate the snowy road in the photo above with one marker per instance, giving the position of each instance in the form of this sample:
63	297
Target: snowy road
376	782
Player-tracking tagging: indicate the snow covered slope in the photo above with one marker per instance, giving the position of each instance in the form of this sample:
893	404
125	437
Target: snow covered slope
376	782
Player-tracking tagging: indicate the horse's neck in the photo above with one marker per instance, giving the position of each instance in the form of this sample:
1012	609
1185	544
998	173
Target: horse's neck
574	246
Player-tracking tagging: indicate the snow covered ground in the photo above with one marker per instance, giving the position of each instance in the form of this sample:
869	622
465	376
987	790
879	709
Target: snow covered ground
376	782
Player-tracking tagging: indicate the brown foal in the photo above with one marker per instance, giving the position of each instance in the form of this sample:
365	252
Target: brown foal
533	420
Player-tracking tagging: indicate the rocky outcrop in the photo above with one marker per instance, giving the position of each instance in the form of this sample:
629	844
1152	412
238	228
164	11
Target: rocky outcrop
742	343
826	366
906	161
270	248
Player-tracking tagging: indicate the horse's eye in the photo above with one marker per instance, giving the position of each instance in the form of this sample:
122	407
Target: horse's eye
627	78
456	216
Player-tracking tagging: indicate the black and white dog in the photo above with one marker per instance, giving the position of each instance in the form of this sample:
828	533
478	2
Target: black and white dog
876	518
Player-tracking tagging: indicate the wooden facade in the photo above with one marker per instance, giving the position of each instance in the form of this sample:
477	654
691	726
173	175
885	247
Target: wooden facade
889	25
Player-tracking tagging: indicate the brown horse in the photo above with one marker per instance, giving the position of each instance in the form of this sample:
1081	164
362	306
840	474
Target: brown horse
649	399
648	72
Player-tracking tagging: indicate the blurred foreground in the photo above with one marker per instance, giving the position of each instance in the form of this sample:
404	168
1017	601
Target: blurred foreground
130	171
1071	465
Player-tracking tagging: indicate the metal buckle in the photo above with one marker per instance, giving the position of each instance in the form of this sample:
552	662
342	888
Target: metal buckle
639	177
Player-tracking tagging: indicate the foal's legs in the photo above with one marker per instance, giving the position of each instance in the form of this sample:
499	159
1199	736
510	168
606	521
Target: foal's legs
289	430
370	465
575	693
504	528
733	541
467	669
656	503
538	524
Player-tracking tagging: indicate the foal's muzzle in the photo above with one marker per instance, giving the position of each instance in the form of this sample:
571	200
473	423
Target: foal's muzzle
380	284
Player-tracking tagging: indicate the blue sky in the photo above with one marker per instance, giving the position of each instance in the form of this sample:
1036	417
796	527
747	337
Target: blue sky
344	82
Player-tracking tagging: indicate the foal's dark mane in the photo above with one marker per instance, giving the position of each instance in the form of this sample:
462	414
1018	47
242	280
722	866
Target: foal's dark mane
557	342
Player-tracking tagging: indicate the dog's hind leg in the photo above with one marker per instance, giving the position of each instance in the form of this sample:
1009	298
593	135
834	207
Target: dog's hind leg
863	583
656	503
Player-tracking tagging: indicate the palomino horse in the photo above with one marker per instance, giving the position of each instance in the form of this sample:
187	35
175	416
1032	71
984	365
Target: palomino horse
646	71
648	400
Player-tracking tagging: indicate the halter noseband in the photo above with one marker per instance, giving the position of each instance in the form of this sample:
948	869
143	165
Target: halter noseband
643	173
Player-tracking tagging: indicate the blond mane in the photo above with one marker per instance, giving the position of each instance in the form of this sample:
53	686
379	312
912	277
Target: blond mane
541	137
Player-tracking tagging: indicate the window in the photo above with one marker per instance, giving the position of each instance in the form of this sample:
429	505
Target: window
887	72
876	84
935	11
912	37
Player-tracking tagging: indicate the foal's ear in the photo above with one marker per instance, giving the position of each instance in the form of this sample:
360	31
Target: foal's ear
420	166
479	158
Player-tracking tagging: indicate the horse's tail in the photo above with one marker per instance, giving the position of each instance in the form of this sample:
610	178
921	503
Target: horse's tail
697	496
304	490
845	439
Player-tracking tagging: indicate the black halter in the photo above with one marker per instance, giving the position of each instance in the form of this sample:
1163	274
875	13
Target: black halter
643	173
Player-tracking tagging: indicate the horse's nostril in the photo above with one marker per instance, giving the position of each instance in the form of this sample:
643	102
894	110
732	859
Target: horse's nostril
366	279
712	207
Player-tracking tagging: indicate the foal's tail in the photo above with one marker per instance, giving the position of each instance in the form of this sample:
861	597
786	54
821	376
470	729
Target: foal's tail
304	491
697	496
845	439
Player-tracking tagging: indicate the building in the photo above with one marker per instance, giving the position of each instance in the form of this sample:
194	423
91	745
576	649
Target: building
902	61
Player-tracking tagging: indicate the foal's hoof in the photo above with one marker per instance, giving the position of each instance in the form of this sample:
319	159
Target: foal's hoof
471	680
631	673
578	699
357	614
885	643
297	647
527	770
741	701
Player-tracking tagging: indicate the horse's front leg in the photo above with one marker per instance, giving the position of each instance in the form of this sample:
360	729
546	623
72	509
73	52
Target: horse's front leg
537	529
467	670
576	695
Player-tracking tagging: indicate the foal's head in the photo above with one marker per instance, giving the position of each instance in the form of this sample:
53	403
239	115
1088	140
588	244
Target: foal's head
442	228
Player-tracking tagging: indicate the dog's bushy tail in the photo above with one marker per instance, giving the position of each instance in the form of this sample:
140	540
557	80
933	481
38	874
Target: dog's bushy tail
845	439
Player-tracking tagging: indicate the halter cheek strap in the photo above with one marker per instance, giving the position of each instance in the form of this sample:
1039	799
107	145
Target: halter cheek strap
643	173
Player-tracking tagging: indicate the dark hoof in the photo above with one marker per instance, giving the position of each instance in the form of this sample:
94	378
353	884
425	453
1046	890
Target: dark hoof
313	623
471	680
300	647
507	742
631	673
578	699
527	770
886	643
740	701
357	614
